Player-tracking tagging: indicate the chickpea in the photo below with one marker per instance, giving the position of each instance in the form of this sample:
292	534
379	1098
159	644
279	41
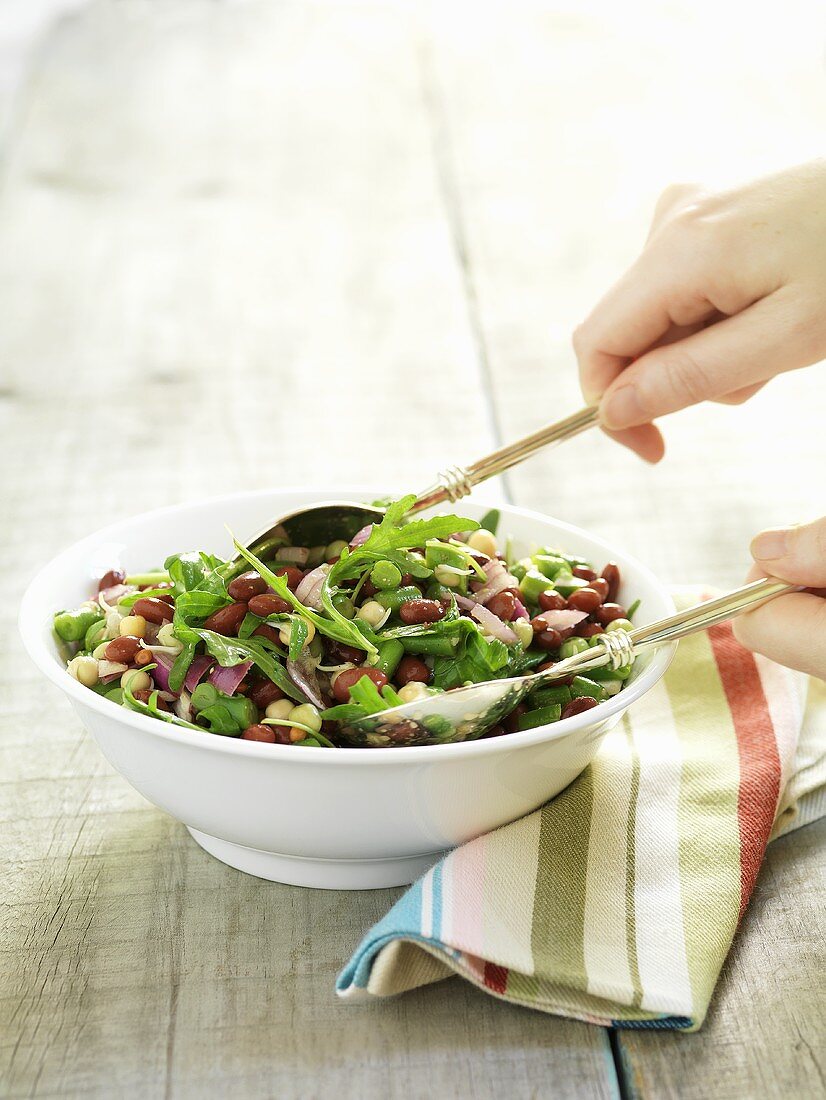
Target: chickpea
281	708
413	691
84	670
136	680
524	631
286	631
132	625
483	541
99	652
449	576
166	637
371	613
335	549
307	715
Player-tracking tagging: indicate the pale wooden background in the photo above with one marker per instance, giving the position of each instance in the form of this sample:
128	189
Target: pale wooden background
257	243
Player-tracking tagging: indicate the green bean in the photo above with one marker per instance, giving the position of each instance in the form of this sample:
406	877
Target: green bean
142	579
556	693
436	591
395	597
608	673
94	635
390	653
344	605
385	574
581	685
436	645
571	646
540	717
620	624
71	626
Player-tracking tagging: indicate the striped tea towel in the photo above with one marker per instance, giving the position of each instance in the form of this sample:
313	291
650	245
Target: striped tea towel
617	902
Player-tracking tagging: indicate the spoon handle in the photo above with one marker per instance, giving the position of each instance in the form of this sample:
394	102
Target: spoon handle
457	481
620	647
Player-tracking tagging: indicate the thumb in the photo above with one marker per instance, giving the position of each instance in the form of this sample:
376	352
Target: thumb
795	554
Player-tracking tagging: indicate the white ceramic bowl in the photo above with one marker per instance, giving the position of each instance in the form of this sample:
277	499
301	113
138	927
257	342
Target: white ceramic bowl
344	818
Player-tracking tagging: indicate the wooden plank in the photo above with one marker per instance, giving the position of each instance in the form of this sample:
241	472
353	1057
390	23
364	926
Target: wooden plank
209	212
561	132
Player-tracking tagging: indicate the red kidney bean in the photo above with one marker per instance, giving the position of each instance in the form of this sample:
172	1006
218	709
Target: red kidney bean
293	574
578	705
503	604
268	632
611	574
421	611
227	620
584	599
143	695
268	604
259	732
551	600
407	579
247	585
548	639
608	612
584	573
589	630
113	577
123	650
167	597
411	670
153	610
345	680
511	722
339	652
600	586
368	589
263	692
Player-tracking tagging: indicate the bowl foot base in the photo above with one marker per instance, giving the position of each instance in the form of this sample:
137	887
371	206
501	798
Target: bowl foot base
319	874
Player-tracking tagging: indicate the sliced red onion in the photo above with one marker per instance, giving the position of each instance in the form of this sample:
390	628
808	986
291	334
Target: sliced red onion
197	671
228	679
303	675
297	554
160	674
464	602
493	624
108	597
561	620
110	670
496	585
361	536
521	611
309	588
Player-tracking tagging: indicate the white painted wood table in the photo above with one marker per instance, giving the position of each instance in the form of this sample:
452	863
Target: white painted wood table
247	244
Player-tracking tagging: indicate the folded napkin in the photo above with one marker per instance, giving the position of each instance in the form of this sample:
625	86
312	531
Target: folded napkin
617	902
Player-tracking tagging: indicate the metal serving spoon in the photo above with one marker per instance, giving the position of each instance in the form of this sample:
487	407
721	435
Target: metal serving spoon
466	713
336	519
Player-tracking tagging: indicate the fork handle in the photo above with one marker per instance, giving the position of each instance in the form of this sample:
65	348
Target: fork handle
457	481
621	647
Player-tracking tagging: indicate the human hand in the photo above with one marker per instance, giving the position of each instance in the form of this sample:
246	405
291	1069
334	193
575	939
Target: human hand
790	629
727	293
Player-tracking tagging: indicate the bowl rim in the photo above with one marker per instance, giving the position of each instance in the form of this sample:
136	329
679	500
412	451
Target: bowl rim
31	634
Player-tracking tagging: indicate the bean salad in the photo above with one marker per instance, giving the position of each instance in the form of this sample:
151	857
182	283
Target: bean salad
284	642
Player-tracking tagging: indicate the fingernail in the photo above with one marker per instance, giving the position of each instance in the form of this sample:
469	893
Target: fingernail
623	408
772	544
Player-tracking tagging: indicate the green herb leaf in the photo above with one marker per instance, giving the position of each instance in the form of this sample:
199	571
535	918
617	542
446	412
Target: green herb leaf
152	709
234	651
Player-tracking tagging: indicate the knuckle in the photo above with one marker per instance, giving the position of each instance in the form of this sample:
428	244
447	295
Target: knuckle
686	380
